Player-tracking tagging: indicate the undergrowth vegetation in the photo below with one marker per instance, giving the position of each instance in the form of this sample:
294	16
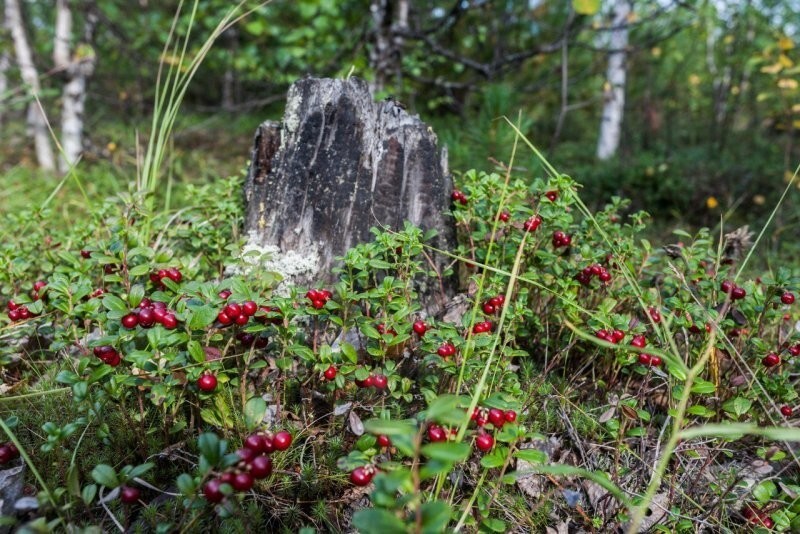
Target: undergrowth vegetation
158	379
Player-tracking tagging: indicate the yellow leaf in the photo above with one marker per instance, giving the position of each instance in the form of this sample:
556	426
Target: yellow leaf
796	108
694	79
655	51
784	60
785	43
772	69
586	7
711	203
787	83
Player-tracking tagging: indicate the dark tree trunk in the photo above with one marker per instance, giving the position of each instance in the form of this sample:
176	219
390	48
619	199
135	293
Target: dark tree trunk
339	164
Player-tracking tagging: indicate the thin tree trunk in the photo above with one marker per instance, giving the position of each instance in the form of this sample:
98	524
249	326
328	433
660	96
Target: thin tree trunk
390	24
614	106
5	62
36	118
77	68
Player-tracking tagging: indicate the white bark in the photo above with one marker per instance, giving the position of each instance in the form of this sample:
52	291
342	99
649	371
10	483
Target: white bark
36	118
77	68
614	105
5	62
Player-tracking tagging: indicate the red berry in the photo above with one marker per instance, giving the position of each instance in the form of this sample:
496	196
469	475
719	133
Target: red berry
787	298
261	467
6	454
656	361
361	476
420	328
224	318
645	359
380	381
497	417
246	454
85	254
447	349
771	360
510	416
130	320
255	442
212	491
488	309
330	373
318	304
738	293
147	317
484	442
224	294
174	274
551	195
726	286
282	440
14	314
436	433
242	482
207	382
129	495
655	315
232	310
639	341
617	336
366	383
532	223
505	216
249	307
169	321
794	350
786	411
241	319
384	441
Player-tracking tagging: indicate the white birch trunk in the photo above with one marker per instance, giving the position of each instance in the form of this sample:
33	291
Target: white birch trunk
614	105
77	68
4	64
36	118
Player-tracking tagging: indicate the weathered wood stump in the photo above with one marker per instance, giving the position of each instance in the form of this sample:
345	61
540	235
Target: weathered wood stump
339	164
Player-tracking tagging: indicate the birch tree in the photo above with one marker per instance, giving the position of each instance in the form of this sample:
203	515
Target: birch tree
76	67
614	98
37	122
5	63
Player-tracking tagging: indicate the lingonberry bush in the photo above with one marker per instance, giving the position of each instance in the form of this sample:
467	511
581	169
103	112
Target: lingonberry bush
194	389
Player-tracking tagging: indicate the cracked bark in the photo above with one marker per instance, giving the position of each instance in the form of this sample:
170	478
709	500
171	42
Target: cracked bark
339	164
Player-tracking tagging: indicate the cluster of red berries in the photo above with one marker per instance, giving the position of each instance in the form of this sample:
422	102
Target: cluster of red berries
254	464
494	305
8	452
148	313
787	298
612	336
157	277
252	340
36	292
640	341
378	381
484	441
533	222
757	517
318	297
495	416
730	288
458	196
446	350
482	327
585	276
19	312
560	239
237	313
108	354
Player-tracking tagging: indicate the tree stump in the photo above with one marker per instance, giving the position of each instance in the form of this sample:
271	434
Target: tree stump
339	164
